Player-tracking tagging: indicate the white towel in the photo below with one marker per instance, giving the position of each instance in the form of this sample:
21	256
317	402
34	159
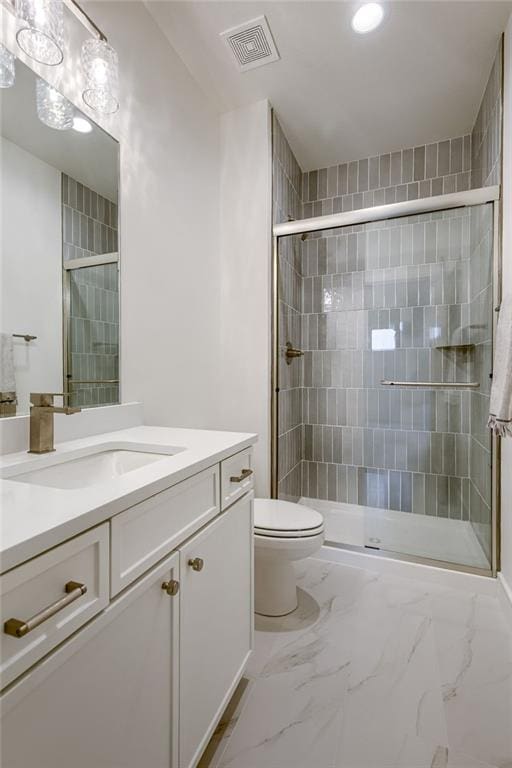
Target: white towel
500	417
7	380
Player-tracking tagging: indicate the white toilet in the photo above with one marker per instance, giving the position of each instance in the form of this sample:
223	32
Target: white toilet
283	532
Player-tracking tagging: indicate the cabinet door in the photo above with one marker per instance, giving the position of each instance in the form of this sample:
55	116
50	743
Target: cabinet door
216	623
105	698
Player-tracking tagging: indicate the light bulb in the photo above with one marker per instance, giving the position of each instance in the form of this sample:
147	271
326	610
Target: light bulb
81	125
367	18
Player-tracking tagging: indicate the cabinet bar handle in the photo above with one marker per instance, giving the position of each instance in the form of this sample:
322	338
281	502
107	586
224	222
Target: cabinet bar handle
172	587
18	628
196	563
245	473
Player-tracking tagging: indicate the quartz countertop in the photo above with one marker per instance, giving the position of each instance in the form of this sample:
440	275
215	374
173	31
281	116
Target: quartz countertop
34	518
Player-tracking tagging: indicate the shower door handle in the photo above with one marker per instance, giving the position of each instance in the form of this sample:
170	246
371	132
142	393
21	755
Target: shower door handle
292	353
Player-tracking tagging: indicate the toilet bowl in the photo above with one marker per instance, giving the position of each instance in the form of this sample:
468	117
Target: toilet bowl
283	532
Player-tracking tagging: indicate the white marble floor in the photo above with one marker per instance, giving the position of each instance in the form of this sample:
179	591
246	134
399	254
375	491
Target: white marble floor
375	672
439	538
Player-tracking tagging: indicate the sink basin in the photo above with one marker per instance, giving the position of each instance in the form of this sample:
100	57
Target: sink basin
93	469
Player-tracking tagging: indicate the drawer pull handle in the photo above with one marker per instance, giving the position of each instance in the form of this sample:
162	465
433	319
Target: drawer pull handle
244	474
17	628
172	587
196	563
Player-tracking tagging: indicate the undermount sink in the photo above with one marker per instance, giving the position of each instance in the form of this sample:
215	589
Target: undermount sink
93	469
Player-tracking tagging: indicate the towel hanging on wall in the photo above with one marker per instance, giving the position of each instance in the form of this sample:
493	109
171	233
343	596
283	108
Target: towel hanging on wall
7	379
500	417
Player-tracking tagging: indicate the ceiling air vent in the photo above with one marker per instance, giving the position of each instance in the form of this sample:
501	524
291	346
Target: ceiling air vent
251	43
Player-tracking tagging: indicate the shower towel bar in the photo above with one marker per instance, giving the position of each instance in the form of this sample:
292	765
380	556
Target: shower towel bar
93	381
442	384
26	336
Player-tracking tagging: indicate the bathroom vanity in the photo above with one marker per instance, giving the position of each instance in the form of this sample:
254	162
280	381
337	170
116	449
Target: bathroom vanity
126	597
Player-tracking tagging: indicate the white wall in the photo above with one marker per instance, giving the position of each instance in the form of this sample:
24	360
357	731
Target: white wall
506	451
168	215
245	253
31	269
169	225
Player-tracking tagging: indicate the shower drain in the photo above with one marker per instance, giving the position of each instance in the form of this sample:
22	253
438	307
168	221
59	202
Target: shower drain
374	543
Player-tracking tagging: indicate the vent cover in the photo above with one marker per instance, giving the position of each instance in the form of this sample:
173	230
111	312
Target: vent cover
251	43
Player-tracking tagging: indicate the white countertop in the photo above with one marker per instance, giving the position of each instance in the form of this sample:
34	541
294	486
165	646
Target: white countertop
34	518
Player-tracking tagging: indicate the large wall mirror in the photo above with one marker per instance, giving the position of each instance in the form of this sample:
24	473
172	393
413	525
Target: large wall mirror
59	257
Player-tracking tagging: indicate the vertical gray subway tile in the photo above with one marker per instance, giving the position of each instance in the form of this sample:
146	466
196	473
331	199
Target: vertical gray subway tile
385	170
396	168
342	179
332	181
431	161
374	164
456	148
363	171
353	169
418	494
407	165
394	491
419	163
406	492
443	499
443	158
322	183
313	186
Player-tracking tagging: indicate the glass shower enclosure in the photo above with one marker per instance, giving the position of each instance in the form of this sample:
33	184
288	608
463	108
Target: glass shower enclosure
382	364
91	330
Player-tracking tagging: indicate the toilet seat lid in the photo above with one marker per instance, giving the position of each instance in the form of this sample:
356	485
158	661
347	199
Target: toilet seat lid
273	517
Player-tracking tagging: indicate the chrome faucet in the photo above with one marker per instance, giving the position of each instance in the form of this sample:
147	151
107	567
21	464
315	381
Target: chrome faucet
41	420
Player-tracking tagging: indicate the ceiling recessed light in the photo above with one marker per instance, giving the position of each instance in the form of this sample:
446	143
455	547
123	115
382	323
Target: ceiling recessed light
367	18
81	125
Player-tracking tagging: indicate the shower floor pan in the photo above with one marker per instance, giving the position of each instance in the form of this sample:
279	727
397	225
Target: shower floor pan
405	533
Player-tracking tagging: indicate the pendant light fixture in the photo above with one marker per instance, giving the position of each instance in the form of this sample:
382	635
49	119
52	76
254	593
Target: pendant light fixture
41	30
100	68
53	109
7	71
40	34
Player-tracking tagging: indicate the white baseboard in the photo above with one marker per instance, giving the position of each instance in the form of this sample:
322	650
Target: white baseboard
483	585
505	597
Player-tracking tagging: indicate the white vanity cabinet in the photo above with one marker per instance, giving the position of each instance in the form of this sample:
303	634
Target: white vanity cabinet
144	683
107	697
215	624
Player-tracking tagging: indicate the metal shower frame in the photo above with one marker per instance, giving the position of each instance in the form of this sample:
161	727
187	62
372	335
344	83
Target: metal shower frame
433	204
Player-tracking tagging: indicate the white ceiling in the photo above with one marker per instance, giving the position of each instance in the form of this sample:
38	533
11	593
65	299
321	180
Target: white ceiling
342	96
91	158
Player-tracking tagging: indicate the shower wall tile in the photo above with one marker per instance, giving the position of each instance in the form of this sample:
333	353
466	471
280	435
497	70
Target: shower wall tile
287	178
486	137
287	204
378	303
422	171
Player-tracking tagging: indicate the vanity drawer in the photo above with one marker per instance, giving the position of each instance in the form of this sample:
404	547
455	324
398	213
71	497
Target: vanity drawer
48	598
145	533
237	477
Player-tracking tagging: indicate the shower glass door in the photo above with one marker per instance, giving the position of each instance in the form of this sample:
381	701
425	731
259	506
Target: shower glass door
91	322
382	422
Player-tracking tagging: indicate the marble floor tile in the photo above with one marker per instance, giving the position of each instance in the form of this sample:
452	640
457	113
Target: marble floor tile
373	671
476	677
